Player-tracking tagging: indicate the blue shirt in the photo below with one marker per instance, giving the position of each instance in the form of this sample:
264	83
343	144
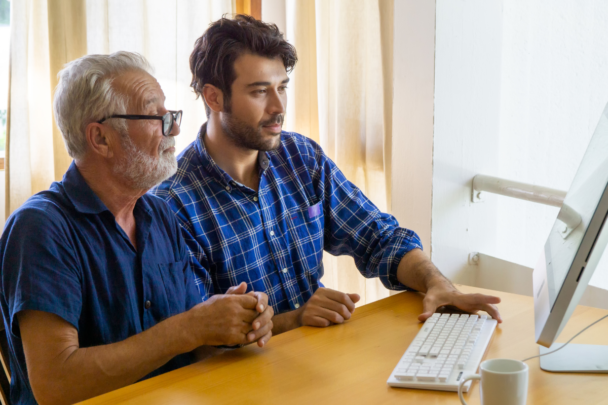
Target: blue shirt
274	239
63	253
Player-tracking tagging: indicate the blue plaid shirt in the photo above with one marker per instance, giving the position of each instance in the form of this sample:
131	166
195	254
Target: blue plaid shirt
273	239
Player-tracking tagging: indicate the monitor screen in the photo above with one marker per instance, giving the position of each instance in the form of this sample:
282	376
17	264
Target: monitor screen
583	197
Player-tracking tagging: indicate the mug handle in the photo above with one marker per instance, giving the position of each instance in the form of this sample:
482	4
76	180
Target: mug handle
465	379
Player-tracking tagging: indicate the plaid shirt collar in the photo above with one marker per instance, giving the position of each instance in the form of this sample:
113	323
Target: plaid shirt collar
217	172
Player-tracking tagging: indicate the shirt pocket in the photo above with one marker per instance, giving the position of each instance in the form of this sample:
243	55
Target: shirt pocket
306	228
174	284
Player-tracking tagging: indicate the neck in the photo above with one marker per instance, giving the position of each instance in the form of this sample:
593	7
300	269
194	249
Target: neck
117	196
241	164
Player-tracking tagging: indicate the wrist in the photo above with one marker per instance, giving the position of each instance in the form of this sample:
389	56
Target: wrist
191	337
286	321
297	317
439	281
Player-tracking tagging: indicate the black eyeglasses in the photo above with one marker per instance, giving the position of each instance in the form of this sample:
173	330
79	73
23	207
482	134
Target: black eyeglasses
168	119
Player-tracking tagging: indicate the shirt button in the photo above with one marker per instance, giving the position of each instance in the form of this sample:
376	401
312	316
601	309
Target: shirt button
227	188
297	306
148	304
271	233
255	198
284	270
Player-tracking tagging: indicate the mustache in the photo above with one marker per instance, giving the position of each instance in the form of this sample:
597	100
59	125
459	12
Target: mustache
277	119
166	142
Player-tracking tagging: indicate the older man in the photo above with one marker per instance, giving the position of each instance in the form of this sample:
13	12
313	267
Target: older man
97	291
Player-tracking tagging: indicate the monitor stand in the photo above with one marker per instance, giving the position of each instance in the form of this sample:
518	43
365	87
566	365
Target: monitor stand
575	358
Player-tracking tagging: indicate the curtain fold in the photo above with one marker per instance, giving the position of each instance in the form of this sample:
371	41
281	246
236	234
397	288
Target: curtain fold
46	34
340	95
29	153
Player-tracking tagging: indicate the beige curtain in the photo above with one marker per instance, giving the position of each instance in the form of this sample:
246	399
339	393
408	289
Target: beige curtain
46	34
341	96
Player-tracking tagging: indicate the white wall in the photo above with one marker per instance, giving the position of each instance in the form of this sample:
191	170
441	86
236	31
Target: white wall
554	88
520	86
467	111
413	88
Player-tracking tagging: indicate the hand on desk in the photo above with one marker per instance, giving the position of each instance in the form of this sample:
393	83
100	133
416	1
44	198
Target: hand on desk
418	272
444	293
327	307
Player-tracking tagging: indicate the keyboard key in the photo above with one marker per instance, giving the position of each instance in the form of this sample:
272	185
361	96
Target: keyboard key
424	350
407	376
426	377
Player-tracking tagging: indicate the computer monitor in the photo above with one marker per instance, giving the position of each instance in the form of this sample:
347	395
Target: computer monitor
569	259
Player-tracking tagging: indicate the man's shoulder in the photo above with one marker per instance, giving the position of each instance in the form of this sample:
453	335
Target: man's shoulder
299	150
294	144
292	140
48	205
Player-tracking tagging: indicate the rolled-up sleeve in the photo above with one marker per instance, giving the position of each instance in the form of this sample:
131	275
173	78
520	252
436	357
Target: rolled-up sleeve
355	226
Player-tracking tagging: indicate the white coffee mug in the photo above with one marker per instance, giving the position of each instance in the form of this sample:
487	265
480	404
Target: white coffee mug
502	382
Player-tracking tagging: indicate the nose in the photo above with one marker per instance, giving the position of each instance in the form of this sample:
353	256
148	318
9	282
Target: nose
277	103
175	130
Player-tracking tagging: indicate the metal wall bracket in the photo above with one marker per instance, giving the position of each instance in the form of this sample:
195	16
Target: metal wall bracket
527	192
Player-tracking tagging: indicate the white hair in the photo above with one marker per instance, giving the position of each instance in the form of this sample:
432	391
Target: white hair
85	94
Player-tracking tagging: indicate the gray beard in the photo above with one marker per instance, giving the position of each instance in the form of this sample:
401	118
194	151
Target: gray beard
143	171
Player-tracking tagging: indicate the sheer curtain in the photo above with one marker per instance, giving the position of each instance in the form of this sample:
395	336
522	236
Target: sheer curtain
46	34
341	96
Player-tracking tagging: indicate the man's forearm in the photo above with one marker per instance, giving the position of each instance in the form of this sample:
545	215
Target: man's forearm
87	372
286	321
418	272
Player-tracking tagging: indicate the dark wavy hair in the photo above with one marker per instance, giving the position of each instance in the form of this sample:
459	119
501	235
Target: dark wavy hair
214	54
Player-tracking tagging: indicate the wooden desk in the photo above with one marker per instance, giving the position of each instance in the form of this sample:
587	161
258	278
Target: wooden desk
350	363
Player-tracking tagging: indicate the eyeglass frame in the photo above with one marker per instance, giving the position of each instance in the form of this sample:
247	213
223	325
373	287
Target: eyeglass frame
174	115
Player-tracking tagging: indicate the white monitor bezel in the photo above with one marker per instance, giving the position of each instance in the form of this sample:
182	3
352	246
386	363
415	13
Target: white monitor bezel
550	320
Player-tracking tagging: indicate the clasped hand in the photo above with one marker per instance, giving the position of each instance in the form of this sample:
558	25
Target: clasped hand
234	318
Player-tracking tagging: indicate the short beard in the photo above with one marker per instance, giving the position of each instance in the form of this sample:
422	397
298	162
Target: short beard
246	136
143	171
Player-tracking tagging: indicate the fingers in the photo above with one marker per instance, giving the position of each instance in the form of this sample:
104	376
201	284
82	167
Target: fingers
339	297
340	309
264	339
318	322
263	319
354	297
246	301
487	303
331	316
468	302
254	335
429	306
239	289
493	312
262	301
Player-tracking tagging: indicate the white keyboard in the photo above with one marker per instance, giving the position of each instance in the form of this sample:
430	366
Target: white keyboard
446	348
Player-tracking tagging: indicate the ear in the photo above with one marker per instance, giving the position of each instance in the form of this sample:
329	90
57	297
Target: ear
101	139
214	98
